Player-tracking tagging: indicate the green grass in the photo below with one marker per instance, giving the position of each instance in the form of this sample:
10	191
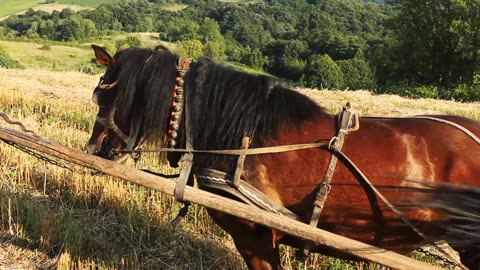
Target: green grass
174	6
247	68
86	3
9	7
57	58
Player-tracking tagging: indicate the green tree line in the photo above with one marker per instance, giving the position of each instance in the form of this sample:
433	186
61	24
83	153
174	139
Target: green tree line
409	47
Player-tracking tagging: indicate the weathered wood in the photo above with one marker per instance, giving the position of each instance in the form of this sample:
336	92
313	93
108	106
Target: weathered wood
356	248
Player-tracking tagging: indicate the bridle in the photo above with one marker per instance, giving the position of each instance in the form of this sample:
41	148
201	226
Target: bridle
183	65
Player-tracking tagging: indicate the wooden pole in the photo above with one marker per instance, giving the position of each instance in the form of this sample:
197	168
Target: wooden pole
213	201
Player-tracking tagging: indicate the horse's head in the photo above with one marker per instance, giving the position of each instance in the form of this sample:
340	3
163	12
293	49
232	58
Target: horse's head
134	97
110	130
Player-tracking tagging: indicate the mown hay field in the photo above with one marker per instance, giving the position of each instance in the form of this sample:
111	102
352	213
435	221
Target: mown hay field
51	218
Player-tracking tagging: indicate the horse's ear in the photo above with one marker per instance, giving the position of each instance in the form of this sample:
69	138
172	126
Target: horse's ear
103	57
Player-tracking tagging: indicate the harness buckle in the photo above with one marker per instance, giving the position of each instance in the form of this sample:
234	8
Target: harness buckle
333	141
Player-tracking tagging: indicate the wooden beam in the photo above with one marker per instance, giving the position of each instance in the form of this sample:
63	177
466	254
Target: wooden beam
213	201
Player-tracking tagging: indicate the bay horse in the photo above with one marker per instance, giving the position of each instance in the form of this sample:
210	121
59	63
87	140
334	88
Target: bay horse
224	105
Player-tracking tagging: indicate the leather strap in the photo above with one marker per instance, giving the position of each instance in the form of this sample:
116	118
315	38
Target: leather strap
183	65
240	161
346	121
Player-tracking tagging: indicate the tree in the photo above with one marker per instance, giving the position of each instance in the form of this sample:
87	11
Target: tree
437	41
46	29
104	19
214	49
214	43
254	59
210	31
191	48
357	73
322	72
90	28
286	58
70	29
179	29
129	41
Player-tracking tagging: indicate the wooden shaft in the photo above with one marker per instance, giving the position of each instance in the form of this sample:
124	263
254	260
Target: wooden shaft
213	201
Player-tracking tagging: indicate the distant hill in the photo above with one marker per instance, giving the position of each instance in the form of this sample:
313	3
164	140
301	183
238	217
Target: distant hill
10	7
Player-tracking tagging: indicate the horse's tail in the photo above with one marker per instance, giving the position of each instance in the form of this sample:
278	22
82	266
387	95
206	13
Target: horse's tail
460	206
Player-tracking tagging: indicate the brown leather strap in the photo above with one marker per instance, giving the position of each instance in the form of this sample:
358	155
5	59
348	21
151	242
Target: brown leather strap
250	151
240	161
183	65
346	120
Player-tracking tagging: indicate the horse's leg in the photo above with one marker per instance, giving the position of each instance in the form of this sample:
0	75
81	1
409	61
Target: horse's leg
257	244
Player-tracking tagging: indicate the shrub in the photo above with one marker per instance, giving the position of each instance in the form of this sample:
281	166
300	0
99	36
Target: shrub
90	69
357	74
464	92
129	41
322	72
7	62
46	47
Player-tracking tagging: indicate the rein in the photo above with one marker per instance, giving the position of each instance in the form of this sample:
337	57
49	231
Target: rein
290	147
235	152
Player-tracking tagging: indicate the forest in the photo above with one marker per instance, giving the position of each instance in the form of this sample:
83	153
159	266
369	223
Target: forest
407	47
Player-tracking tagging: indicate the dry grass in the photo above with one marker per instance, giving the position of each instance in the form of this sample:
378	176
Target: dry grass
50	217
88	220
368	104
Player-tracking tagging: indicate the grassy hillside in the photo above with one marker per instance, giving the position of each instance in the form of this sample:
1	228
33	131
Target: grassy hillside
9	7
87	3
73	58
68	58
50	57
65	220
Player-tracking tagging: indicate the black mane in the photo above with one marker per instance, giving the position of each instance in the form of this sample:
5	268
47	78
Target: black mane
225	104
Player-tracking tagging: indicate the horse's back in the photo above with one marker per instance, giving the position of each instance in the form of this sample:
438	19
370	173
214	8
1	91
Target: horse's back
426	148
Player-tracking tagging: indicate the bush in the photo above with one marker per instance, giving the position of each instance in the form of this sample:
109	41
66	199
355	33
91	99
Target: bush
46	47
129	41
412	91
91	69
357	74
464	92
7	62
424	91
322	72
